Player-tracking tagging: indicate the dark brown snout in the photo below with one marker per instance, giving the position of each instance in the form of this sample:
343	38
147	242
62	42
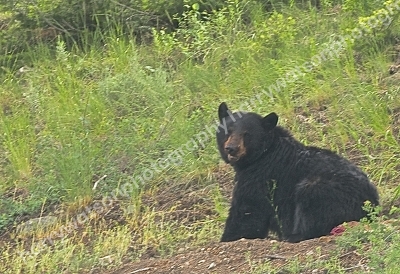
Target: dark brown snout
234	148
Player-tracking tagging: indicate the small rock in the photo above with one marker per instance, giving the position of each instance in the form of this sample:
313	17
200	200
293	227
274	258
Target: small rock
180	250
107	260
212	265
201	261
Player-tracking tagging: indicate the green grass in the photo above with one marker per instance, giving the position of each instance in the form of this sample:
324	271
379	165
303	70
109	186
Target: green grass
115	108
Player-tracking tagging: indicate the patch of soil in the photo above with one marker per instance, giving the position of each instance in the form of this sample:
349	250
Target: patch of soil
243	256
395	123
395	67
192	201
185	203
16	194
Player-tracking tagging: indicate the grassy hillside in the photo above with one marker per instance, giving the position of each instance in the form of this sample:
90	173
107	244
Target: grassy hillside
106	125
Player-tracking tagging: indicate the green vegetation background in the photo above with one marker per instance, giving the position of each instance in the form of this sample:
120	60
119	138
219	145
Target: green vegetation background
93	88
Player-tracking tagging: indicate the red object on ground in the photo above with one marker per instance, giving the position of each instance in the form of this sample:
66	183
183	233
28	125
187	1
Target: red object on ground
338	230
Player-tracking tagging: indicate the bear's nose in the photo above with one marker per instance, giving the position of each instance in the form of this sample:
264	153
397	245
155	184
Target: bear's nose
231	149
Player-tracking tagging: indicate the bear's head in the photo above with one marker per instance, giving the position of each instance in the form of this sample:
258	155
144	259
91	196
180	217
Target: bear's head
243	137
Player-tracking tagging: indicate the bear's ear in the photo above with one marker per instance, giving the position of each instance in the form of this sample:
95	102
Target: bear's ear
223	111
270	121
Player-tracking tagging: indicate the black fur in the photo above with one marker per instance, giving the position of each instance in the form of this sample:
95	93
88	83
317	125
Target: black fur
299	192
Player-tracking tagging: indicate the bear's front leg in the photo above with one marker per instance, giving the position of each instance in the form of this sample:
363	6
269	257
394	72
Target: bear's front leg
245	221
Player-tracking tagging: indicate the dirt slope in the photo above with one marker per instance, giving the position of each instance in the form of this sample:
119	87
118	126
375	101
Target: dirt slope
244	255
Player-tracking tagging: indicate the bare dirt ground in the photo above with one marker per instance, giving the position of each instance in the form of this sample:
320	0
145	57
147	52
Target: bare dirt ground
243	256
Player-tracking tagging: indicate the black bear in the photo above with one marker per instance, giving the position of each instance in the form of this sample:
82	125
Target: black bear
299	192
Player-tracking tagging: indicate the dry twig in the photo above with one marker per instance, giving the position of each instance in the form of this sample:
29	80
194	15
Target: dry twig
140	270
